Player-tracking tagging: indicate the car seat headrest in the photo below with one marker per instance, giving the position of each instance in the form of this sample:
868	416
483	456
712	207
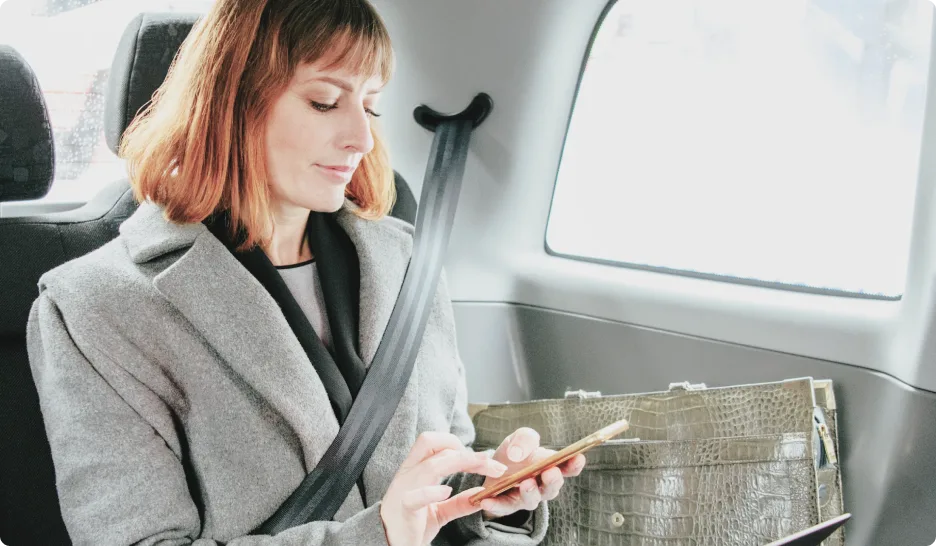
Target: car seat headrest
141	63
27	152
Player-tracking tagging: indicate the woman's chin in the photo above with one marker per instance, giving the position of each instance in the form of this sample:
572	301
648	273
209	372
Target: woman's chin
328	205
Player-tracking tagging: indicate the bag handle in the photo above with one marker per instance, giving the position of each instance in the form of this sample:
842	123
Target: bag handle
324	489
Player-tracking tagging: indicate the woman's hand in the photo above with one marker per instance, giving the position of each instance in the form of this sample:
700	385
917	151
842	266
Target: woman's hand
517	451
416	507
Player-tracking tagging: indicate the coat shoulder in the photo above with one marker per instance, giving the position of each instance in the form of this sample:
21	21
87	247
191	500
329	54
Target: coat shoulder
105	279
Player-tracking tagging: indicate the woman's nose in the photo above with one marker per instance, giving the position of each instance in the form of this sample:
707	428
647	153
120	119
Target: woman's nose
358	136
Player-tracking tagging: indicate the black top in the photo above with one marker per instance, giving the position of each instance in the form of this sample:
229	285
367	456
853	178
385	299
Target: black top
293	266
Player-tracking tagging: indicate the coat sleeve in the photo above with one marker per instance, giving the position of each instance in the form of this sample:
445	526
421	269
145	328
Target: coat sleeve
118	480
473	529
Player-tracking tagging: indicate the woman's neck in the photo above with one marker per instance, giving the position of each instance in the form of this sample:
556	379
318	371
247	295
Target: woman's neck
289	244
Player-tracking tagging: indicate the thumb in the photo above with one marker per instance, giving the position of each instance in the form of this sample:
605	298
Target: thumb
518	447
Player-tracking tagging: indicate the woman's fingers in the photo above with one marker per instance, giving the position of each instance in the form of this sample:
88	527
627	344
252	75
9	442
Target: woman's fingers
420	498
437	455
574	466
456	507
524	497
552	483
503	504
450	462
429	444
529	495
519	446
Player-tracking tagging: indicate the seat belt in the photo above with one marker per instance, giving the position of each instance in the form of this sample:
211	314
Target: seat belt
325	489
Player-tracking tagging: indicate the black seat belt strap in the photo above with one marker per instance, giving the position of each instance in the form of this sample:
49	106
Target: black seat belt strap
324	489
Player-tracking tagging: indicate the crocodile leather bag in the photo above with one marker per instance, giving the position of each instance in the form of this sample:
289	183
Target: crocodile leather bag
729	466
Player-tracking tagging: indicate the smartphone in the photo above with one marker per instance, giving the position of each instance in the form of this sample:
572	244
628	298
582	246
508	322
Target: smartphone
507	482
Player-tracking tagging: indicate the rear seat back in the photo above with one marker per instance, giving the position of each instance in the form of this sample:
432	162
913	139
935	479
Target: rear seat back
29	511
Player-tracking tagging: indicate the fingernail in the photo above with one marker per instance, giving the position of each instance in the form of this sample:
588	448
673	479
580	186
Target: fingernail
498	467
529	487
515	454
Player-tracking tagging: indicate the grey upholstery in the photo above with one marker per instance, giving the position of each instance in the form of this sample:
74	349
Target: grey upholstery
30	246
27	157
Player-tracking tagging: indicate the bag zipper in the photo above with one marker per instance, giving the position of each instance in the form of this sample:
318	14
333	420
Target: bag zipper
826	443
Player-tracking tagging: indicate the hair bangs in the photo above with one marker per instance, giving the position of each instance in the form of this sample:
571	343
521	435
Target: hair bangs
341	34
361	54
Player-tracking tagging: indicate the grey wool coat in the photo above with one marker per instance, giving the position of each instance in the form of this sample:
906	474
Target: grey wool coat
181	408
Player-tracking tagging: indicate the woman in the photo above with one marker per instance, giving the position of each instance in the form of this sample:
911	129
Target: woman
192	371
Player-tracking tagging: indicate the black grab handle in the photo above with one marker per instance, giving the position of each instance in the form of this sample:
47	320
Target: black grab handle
477	112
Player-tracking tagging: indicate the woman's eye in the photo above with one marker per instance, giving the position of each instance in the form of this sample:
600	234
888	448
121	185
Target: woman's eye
322	107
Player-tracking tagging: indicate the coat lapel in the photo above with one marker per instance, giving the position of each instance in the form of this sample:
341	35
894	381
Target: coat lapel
383	252
240	320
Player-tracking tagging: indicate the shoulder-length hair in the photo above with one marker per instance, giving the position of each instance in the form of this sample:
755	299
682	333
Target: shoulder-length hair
199	146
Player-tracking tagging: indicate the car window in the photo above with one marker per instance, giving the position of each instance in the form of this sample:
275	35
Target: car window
761	141
70	44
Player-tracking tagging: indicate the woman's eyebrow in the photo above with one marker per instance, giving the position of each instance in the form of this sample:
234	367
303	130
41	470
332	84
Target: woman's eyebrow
339	83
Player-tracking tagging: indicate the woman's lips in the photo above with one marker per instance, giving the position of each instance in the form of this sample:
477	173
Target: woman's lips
340	173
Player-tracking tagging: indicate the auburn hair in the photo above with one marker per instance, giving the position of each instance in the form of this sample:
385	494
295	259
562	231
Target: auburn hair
198	147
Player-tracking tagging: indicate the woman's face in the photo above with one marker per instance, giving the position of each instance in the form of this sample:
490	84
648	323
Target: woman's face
317	134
